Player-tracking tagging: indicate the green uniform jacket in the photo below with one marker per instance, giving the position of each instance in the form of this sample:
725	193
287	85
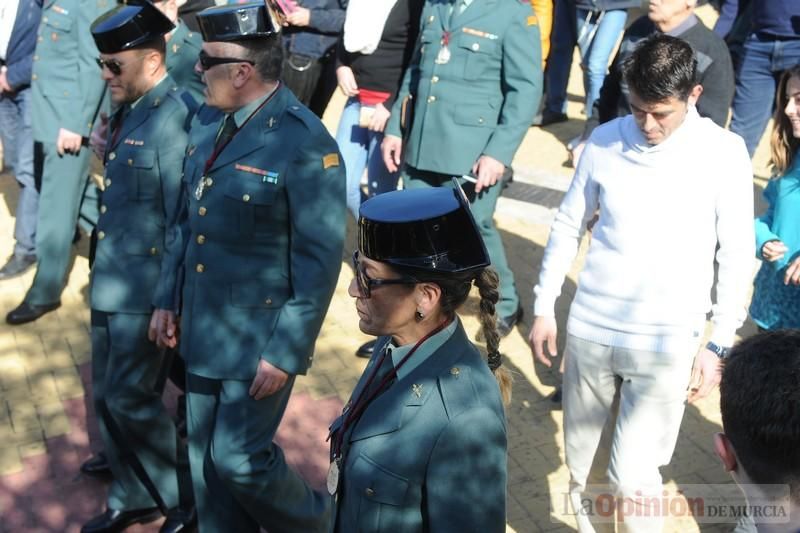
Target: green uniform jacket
140	200
482	101
262	248
66	82
183	49
433	462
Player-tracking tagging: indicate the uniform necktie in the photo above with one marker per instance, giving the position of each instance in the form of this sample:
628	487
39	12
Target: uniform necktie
226	132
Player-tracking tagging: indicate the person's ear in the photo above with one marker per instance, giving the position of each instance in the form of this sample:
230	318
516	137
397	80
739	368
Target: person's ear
428	296
724	450
241	74
694	96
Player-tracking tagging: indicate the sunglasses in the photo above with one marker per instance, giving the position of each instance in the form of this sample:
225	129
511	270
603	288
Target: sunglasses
113	66
207	61
365	283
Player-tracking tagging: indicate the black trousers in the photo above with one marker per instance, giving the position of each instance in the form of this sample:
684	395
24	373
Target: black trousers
311	80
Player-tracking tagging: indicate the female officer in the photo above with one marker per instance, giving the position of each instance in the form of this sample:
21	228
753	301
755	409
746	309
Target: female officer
421	445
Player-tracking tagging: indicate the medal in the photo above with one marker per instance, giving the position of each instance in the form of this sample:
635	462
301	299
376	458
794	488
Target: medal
332	481
201	187
443	56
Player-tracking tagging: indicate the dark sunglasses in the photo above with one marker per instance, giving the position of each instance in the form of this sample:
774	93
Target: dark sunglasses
113	66
207	61
365	283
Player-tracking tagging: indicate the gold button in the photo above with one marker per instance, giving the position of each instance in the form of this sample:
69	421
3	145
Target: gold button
34	76
480	120
246	197
431	99
103	209
454	371
268	301
209	182
202	211
369	492
112	156
108	182
130	162
101	235
435	79
475	47
36	58
153	250
38	39
201	239
431	18
200	267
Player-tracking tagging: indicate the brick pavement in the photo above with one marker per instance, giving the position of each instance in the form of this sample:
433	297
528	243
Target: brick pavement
47	427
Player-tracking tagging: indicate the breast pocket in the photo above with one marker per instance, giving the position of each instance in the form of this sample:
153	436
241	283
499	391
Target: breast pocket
142	184
482	61
381	493
246	199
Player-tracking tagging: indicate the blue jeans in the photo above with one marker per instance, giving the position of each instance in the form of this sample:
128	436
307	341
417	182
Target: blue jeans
15	128
598	32
361	149
761	64
562	42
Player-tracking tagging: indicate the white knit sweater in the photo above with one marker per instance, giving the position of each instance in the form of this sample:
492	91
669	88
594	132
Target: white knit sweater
646	283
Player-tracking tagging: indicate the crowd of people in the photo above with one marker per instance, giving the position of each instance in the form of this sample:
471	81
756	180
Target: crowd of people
217	234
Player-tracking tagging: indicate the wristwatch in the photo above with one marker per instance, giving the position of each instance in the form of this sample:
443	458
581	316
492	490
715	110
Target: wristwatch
721	352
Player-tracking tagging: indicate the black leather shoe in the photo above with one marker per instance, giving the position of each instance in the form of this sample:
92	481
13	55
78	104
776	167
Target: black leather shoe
96	466
366	349
26	312
180	520
17	265
113	521
507	323
548	118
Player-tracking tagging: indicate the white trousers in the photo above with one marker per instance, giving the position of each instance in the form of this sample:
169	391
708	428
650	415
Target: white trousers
639	398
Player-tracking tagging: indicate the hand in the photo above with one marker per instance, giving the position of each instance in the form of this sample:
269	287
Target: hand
488	170
543	331
98	139
68	142
346	80
773	251
379	118
575	153
706	373
299	17
792	276
392	148
4	86
269	380
163	328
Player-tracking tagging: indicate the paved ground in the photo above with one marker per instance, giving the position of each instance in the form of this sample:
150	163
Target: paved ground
47	427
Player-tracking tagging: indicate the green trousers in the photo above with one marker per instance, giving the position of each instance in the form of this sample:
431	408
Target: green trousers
240	477
482	206
63	182
127	375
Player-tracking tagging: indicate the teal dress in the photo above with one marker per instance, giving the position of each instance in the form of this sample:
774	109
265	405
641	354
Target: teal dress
774	304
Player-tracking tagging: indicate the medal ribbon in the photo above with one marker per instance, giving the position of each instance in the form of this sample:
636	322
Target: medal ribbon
354	414
210	161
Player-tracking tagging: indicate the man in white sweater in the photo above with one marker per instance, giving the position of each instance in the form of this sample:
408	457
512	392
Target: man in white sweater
671	188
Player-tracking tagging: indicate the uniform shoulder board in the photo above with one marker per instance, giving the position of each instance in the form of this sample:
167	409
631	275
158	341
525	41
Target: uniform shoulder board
458	390
306	116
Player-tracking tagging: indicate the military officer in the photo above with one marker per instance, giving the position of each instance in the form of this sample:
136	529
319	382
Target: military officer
66	99
427	391
143	163
260	247
475	83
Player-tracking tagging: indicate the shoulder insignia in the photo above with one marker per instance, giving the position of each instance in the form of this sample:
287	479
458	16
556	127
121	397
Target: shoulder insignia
532	20
330	160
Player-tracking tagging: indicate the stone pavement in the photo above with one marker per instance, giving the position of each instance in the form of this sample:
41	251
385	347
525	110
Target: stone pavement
47	426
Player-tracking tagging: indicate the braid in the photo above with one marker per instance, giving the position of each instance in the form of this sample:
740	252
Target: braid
487	282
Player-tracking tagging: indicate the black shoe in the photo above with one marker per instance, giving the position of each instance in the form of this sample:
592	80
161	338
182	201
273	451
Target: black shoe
506	324
97	466
113	521
548	118
17	265
366	349
180	520
26	312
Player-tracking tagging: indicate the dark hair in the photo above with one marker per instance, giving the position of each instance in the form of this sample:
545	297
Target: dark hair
159	44
455	291
661	67
760	404
267	54
783	144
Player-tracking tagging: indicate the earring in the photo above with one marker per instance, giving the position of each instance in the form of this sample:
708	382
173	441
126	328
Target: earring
419	315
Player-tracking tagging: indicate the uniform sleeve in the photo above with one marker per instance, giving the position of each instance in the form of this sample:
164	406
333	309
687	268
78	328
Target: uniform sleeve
736	245
465	482
172	149
521	85
577	207
328	19
763	223
316	198
91	84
